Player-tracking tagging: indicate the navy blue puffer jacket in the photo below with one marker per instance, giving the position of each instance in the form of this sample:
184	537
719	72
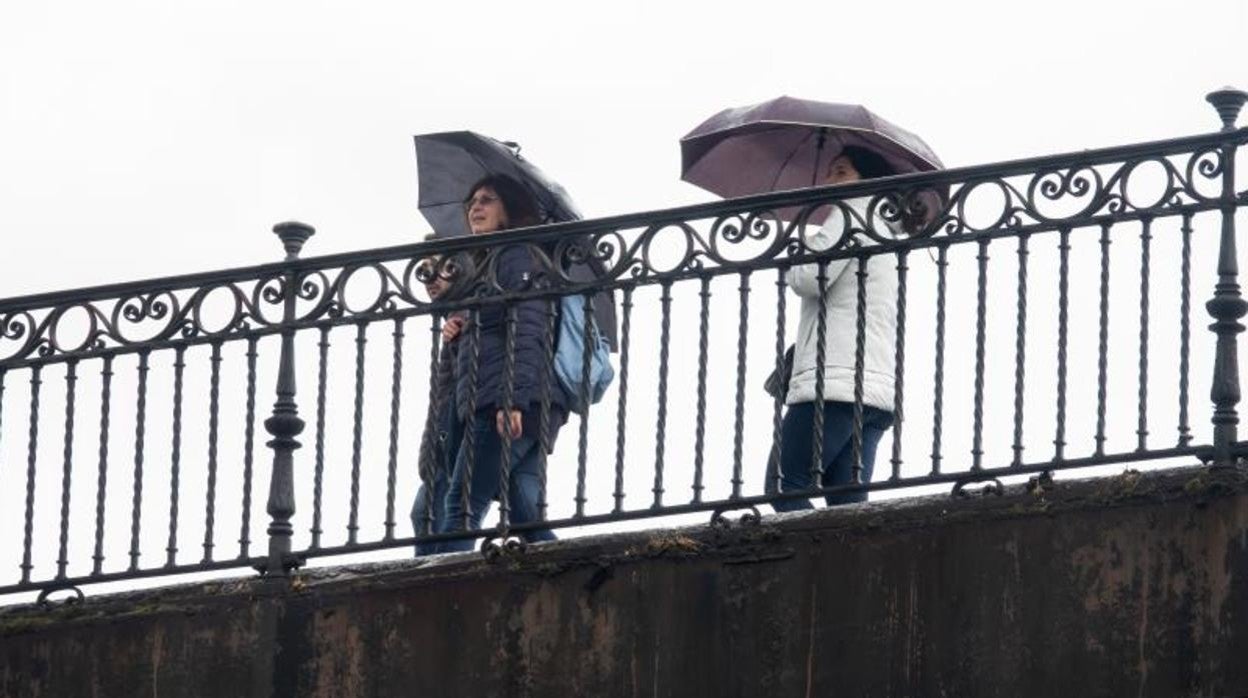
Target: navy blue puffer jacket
516	271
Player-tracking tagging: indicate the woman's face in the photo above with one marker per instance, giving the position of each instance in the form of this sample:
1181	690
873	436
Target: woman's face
841	171
485	211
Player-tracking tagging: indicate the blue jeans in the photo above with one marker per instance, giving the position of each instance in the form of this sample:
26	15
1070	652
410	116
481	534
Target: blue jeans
421	508
523	486
797	447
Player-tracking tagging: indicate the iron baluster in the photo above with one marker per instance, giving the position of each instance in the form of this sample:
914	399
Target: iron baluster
546	386
821	354
981	321
1185	330
1020	351
665	301
860	355
1063	327
1146	238
318	472
31	455
582	451
743	323
470	431
433	426
101	482
899	364
71	381
175	456
622	408
938	388
392	456
777	405
249	442
357	433
140	428
699	440
214	408
1102	352
508	404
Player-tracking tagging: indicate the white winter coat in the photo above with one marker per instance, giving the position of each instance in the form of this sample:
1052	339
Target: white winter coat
841	284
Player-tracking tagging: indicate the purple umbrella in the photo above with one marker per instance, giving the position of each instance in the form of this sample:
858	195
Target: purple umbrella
782	144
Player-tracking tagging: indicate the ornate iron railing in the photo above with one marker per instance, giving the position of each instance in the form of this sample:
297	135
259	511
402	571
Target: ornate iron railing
186	355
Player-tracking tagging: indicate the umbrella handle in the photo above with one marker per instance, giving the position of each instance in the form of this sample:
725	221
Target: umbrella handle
823	138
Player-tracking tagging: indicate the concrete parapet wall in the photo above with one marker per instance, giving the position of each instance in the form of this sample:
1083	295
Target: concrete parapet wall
1133	585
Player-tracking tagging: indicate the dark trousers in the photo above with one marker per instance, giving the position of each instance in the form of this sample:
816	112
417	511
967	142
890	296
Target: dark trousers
797	448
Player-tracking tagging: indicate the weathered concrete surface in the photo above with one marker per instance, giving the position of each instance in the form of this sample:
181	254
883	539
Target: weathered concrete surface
1130	586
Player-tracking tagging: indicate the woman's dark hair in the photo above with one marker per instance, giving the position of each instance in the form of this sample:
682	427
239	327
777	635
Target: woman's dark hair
869	163
517	200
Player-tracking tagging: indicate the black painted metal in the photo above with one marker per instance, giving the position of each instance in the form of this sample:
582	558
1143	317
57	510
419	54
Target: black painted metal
168	317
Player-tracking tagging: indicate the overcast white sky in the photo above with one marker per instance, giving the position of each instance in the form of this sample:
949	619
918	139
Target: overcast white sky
148	138
141	139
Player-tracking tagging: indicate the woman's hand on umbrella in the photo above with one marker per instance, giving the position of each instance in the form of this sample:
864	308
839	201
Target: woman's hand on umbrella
452	327
509	419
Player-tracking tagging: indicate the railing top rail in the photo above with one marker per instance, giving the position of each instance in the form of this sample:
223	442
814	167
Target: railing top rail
541	233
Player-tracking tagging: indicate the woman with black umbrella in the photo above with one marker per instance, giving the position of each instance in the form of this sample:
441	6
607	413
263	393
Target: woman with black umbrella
501	419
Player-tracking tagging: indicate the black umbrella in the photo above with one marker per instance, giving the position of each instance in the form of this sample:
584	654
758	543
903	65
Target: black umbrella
448	163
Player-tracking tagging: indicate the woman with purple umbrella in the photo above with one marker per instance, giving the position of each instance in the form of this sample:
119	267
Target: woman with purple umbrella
789	143
842	462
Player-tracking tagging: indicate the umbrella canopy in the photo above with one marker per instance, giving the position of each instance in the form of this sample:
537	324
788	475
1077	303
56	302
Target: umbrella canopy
782	144
448	163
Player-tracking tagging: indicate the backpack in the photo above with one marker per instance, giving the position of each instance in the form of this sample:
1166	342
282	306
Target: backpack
570	354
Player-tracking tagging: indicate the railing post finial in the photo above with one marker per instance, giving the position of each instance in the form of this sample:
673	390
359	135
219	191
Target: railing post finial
1228	101
293	235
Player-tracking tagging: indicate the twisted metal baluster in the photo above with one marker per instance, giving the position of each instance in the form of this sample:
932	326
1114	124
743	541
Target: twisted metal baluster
214	405
860	362
981	322
322	373
140	427
773	464
71	380
1185	329
942	265
821	350
101	483
432	420
249	442
665	301
470	433
547	385
31	454
175	456
1102	361
1020	350
899	364
1146	237
509	388
622	408
392	463
699	444
1063	305
357	433
587	338
743	323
